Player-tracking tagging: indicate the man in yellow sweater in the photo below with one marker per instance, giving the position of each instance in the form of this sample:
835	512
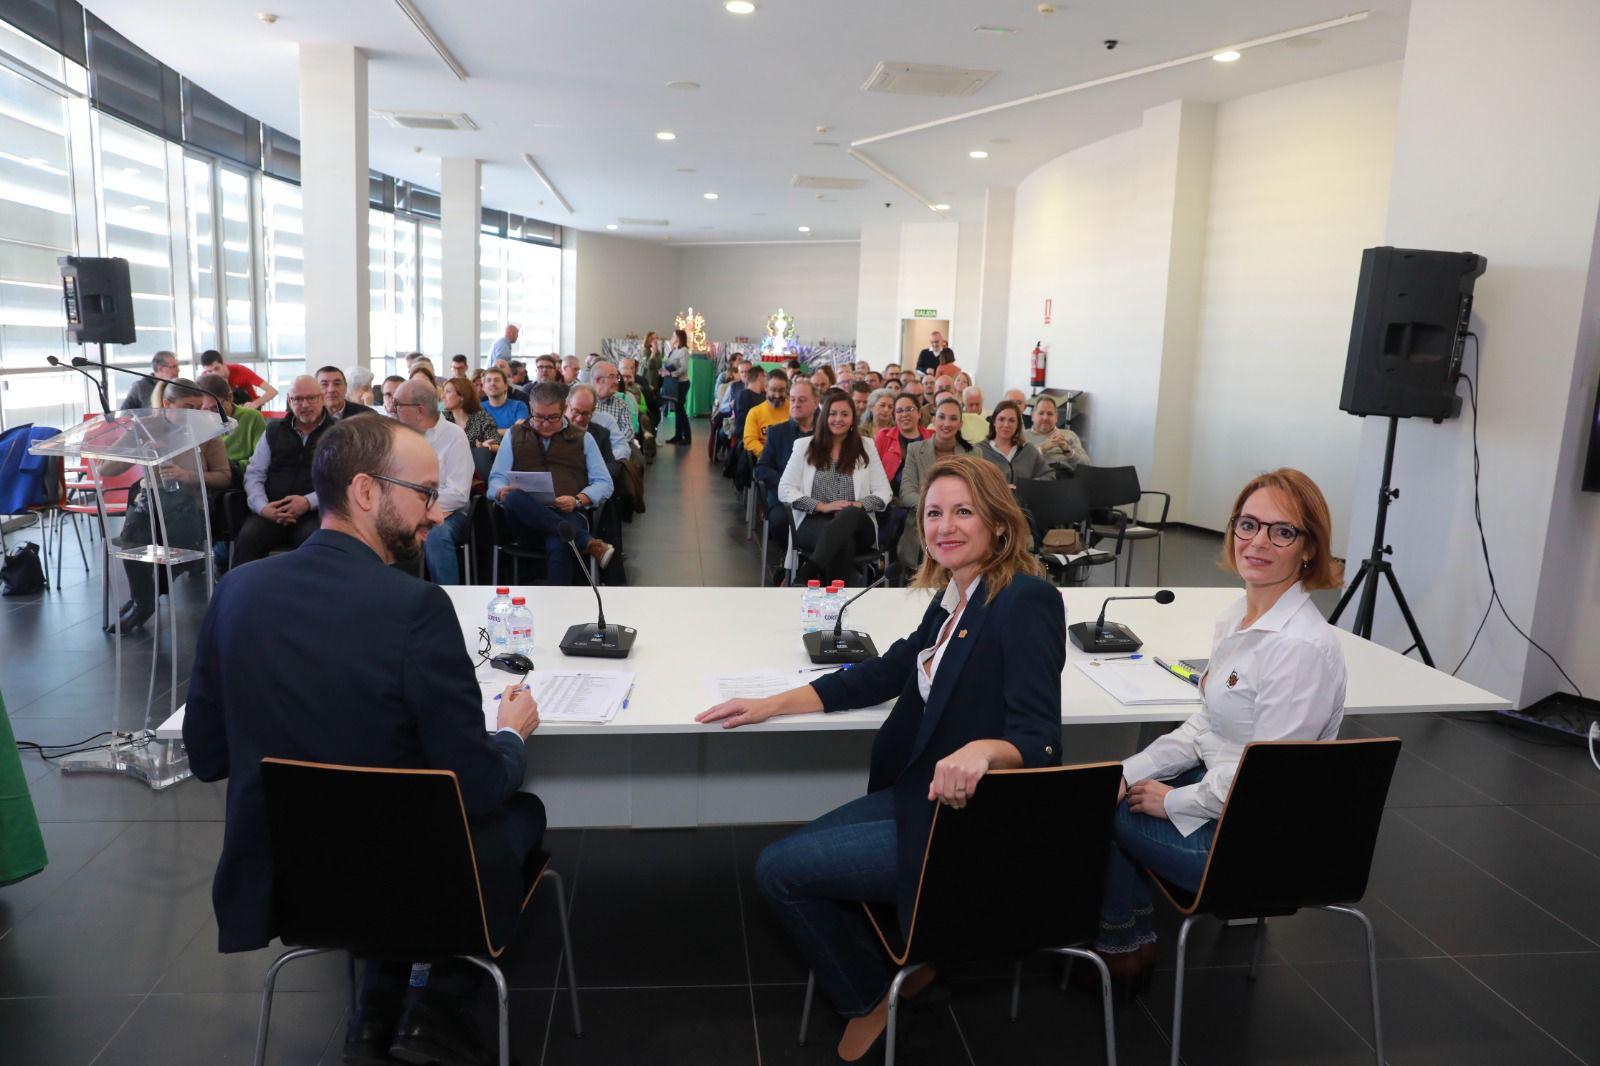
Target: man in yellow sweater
764	416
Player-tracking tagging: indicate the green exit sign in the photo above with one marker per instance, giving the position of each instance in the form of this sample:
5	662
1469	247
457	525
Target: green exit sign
925	312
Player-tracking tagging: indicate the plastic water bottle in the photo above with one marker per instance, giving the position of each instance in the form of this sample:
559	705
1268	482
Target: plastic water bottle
499	607
810	608
519	628
831	602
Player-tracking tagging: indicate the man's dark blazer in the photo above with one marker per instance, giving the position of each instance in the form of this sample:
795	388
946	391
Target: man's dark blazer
351	408
1000	679
326	654
775	454
928	359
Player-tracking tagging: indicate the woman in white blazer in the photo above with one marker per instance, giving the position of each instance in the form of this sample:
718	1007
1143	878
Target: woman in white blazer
835	487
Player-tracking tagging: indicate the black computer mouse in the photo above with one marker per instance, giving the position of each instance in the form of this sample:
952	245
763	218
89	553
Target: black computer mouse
512	663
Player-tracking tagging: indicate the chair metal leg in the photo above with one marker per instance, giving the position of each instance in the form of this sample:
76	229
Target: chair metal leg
266	997
566	945
894	1010
1372	975
1261	941
503	995
1128	580
1177	988
1106	1011
1159	538
1016	991
805	1011
762	580
494	566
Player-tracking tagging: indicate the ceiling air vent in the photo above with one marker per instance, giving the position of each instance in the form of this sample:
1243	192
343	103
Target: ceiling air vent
926	79
426	120
644	222
811	181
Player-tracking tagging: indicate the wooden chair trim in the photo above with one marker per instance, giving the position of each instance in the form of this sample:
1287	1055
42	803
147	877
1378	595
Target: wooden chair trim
911	926
532	888
1199	892
455	783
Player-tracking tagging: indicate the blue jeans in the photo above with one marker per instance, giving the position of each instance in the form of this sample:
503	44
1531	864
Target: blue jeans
441	549
816	879
542	520
1140	843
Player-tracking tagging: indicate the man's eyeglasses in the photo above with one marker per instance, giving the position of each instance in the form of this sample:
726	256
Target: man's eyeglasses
545	419
1281	534
429	496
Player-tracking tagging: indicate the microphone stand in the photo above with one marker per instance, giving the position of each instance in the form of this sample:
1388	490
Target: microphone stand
80	362
98	383
843	647
594	640
1103	637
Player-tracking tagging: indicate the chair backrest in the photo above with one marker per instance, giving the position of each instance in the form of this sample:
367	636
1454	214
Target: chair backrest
1020	868
377	862
1059	504
1109	486
1299	827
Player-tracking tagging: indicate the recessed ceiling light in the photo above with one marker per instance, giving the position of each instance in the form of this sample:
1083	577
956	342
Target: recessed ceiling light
805	229
1226	57
686	86
739	7
666	135
711	196
611	225
941	207
978	153
999	31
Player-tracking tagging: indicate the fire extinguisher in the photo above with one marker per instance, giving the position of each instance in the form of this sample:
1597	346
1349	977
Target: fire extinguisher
1038	364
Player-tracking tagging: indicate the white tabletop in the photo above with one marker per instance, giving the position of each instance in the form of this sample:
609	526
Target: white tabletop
689	634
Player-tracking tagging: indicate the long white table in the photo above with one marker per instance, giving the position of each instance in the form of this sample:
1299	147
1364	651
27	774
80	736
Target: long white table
653	765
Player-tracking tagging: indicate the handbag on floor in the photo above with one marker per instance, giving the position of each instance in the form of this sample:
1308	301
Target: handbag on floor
22	574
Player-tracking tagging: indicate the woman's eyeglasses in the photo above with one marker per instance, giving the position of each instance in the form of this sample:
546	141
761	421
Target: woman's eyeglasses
1281	534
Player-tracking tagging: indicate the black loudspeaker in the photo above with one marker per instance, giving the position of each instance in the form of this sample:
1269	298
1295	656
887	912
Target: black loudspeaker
1412	310
98	299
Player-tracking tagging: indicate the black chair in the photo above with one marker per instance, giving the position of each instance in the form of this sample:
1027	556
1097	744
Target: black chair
379	863
1019	870
1270	858
1062	504
1115	495
505	544
866	561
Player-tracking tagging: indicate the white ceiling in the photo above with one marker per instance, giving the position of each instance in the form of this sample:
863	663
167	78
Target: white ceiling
581	84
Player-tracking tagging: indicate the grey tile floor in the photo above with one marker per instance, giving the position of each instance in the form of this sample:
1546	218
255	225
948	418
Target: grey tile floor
1484	895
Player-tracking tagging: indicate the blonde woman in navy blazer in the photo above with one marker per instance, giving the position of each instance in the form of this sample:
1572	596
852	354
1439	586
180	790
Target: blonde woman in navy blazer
977	687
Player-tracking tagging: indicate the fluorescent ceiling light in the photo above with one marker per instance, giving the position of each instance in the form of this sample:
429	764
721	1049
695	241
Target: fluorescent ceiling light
687	86
421	24
739	7
978	153
666	135
539	173
611	225
805	229
941	207
997	30
711	196
1226	57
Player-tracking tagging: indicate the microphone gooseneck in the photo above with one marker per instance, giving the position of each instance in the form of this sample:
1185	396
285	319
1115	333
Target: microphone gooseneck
99	386
567	533
80	362
838	623
1163	596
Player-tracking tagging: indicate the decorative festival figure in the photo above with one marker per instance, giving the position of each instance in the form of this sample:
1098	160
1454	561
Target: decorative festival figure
695	326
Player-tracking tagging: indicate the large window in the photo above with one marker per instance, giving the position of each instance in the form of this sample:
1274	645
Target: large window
430	299
283	259
197	198
134	218
521	283
238	252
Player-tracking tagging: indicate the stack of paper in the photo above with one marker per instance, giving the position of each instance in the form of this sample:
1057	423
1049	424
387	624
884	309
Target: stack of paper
750	685
1135	682
567	695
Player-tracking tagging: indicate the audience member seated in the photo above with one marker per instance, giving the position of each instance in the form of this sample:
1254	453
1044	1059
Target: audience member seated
1276	672
919	461
644	424
1060	446
547	442
732	384
254	392
360	386
461	407
248	424
390	383
181	508
896	437
974	418
861	397
753	396
616	408
759	422
824	379
500	405
334	655
835	486
1020	398
330	379
163	365
570	368
459	366
1005	448
517	378
627	476
424	370
777	449
947	365
277	481
977	687
417	406
546	368
880	412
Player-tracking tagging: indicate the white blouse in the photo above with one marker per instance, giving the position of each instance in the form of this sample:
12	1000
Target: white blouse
1282	678
928	659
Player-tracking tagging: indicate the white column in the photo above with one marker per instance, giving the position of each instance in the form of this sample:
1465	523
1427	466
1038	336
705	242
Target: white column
995	370
461	212
333	186
1498	152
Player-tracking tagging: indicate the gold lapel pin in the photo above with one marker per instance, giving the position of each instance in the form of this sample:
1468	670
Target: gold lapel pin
961	634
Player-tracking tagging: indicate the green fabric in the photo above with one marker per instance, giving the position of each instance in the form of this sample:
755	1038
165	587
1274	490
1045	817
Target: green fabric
242	441
21	846
702	385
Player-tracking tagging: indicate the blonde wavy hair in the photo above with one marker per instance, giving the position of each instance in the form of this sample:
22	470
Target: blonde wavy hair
997	507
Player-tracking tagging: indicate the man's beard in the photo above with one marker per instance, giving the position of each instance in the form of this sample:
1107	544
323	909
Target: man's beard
399	538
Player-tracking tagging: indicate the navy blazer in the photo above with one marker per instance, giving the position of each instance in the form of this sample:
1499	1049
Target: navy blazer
1000	679
326	654
774	457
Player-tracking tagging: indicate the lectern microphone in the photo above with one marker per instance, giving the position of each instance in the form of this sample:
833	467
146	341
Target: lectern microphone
1103	637
99	386
842	646
594	640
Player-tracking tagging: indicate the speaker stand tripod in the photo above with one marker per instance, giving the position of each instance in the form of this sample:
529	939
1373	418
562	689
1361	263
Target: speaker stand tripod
1377	565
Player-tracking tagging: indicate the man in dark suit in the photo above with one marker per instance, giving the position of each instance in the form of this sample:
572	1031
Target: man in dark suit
928	358
330	379
284	669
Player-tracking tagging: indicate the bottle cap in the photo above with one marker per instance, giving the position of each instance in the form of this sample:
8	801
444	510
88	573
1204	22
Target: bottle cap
832	590
838	583
502	592
518	601
814	584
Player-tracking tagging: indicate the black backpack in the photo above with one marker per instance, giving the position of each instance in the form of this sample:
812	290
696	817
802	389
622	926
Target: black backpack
22	574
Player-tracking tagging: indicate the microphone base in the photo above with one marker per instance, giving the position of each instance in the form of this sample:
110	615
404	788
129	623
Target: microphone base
594	641
1113	637
848	647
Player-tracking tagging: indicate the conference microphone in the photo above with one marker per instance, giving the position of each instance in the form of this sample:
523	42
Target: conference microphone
99	386
593	640
1103	636
80	362
842	646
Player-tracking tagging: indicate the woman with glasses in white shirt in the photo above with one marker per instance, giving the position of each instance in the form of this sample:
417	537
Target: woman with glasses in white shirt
1276	672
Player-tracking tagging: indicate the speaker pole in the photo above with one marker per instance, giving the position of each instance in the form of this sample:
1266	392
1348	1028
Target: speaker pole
1377	567
105	383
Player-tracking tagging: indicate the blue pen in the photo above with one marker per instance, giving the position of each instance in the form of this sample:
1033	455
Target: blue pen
520	688
1119	658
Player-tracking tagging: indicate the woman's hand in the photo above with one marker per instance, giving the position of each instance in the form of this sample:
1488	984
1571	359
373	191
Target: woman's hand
955	777
735	713
1149	797
832	506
